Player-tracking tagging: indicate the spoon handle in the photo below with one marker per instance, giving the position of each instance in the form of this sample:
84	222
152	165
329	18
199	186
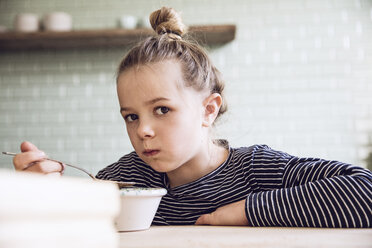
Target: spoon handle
57	161
73	166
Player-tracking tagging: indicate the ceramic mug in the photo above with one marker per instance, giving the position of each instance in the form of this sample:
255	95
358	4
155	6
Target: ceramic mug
57	21
128	22
26	22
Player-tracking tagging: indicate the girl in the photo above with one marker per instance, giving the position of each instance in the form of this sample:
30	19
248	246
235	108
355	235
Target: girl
170	95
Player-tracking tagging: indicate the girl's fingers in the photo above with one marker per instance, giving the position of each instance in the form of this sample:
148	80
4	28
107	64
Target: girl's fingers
54	174
22	160
45	167
28	146
204	219
31	159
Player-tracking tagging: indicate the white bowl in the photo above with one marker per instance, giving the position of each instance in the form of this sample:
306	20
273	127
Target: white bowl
138	208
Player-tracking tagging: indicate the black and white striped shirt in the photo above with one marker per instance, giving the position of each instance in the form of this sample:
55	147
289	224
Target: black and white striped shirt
280	189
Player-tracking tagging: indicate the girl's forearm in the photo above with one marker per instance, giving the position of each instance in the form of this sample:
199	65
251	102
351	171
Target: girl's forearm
340	201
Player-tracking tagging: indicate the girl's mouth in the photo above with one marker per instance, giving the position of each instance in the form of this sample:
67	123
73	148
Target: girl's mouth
150	152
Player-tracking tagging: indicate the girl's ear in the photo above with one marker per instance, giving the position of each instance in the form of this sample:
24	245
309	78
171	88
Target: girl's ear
212	106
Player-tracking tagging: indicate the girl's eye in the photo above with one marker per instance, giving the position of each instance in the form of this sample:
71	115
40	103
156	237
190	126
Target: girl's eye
162	110
131	117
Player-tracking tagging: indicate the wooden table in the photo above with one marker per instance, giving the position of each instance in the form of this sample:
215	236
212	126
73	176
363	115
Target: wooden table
251	237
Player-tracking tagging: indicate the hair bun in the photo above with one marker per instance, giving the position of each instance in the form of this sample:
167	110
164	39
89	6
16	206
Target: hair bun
167	20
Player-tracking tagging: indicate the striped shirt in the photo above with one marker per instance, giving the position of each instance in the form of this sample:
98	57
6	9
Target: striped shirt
280	189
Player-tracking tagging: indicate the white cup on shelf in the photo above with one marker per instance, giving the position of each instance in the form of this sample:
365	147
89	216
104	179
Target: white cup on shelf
57	21
128	22
26	22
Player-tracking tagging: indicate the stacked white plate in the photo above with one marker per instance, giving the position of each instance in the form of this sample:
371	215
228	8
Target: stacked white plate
42	211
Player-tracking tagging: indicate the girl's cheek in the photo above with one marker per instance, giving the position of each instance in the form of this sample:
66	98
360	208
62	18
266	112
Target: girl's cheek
131	133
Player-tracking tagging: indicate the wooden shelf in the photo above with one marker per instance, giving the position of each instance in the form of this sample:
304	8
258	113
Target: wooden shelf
14	41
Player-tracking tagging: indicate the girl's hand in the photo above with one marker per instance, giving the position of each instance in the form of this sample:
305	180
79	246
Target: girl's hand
229	215
31	159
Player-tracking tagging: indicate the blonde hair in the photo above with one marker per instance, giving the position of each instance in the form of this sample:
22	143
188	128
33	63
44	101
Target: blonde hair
170	43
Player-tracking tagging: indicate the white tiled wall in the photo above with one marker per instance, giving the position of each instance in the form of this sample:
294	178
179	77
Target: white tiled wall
298	78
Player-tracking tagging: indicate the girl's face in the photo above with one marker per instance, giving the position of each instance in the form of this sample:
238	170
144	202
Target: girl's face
164	119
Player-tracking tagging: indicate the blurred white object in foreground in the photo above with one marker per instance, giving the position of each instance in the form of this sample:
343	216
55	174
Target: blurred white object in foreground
41	211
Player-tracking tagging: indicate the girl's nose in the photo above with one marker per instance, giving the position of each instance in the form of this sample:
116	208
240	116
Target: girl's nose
145	130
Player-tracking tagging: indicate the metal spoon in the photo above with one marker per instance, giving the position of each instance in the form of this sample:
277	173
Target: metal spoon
120	184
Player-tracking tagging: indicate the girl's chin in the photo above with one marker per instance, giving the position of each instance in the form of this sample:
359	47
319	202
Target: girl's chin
162	168
158	164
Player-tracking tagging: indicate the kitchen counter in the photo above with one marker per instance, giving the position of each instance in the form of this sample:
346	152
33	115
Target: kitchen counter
221	236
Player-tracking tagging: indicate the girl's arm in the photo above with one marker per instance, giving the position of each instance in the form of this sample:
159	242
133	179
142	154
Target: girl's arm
315	193
302	192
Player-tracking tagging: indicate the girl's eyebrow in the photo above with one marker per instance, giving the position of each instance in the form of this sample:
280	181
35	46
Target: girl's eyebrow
150	102
123	109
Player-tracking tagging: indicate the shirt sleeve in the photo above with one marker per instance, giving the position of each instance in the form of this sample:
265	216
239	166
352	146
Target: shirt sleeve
309	192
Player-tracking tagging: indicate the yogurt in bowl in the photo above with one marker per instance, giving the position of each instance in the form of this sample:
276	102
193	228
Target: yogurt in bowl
138	207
